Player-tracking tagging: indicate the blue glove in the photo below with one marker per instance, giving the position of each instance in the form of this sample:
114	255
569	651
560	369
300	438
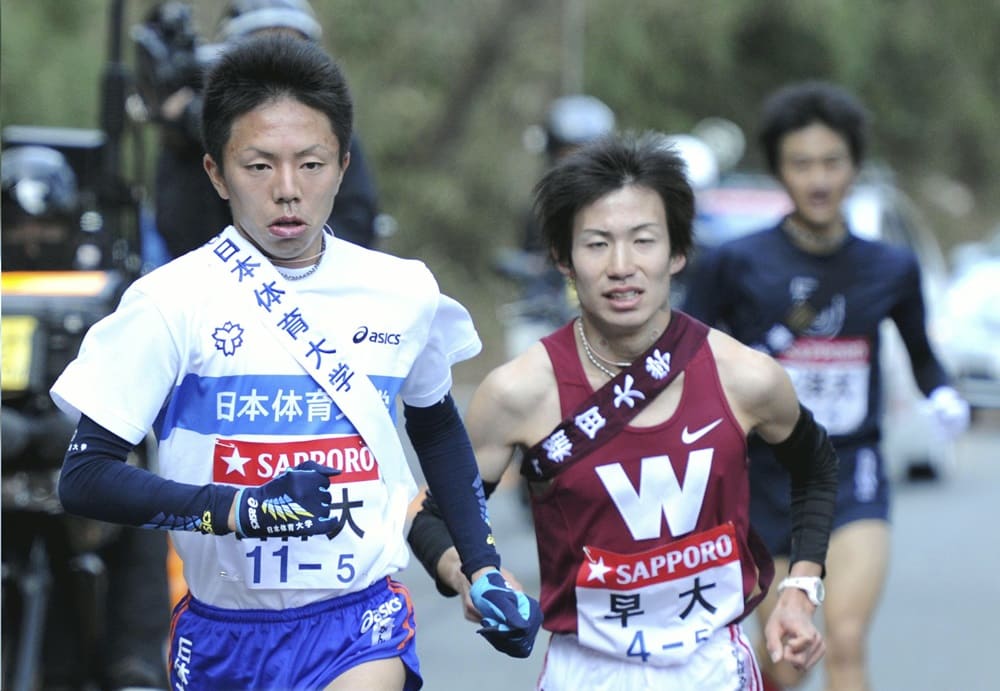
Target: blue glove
510	618
295	503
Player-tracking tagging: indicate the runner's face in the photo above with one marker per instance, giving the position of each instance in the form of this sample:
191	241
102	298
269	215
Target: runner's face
621	260
283	168
816	168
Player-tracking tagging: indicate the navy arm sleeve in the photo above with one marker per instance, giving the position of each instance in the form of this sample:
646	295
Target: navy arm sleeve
910	318
449	465
96	482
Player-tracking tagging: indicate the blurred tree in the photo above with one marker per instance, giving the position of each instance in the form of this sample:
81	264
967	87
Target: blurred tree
445	89
50	57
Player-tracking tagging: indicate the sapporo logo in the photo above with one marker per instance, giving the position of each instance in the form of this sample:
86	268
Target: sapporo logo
365	334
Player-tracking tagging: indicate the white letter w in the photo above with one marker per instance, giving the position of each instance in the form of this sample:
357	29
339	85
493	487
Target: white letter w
659	492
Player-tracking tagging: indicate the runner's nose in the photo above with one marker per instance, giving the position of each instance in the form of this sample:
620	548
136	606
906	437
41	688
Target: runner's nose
621	263
286	185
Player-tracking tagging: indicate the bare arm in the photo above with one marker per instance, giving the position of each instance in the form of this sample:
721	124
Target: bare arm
761	395
511	406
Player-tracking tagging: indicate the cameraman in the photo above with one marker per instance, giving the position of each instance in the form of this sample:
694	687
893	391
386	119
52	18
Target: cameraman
105	608
186	203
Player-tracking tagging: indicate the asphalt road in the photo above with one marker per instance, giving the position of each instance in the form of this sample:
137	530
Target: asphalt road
934	630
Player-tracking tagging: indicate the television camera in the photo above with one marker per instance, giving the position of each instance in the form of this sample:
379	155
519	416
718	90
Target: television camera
169	54
70	247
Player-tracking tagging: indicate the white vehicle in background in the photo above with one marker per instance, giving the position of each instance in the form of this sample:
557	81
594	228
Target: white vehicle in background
969	324
743	202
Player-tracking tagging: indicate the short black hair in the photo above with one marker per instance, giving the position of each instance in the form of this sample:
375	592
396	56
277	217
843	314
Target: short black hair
604	166
796	106
264	69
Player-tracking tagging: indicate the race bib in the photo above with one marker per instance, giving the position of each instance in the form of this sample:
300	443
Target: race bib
656	607
360	509
831	379
342	560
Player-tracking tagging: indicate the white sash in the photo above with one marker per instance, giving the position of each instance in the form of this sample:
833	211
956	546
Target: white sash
257	282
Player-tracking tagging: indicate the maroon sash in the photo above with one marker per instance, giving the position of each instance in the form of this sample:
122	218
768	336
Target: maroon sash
606	412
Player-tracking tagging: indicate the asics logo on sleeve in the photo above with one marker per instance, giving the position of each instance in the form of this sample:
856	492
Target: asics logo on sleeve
692	437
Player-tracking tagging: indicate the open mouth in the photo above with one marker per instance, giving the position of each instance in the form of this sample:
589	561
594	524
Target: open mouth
820	198
287	226
624	298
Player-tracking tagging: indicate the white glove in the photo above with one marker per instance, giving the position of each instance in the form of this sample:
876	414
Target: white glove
951	411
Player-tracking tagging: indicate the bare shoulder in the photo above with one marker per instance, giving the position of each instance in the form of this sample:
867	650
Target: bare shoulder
757	387
518	387
511	409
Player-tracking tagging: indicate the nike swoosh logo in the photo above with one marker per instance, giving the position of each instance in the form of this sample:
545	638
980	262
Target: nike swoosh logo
692	437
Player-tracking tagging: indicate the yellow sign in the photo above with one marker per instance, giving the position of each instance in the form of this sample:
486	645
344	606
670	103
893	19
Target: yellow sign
17	332
68	283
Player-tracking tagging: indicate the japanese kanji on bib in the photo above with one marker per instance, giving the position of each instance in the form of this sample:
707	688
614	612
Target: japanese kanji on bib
234	399
644	542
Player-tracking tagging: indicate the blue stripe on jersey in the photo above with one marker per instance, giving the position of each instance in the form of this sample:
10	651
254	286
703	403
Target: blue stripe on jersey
248	404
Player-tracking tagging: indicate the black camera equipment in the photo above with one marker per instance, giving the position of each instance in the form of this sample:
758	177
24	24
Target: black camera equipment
169	54
54	577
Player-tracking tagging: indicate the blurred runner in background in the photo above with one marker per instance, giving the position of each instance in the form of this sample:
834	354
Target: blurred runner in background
812	294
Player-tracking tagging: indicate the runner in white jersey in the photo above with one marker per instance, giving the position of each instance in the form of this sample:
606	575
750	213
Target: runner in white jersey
268	364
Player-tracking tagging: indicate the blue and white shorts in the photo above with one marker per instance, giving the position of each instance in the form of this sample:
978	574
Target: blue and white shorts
215	649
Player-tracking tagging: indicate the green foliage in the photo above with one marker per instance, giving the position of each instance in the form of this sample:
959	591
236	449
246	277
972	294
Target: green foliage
50	56
446	88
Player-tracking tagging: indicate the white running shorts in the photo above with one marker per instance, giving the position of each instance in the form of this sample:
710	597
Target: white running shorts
724	662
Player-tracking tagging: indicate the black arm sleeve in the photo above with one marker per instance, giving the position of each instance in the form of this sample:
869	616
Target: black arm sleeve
96	482
810	459
445	453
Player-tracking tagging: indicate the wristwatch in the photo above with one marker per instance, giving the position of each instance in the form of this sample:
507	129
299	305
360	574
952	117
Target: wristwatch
811	585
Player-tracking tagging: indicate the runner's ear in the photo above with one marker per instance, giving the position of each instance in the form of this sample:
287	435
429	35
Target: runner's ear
214	171
677	262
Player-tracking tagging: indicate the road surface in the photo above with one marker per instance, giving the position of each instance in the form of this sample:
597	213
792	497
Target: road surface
934	629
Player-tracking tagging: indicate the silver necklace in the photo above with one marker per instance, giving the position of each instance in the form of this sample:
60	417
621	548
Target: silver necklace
594	357
312	269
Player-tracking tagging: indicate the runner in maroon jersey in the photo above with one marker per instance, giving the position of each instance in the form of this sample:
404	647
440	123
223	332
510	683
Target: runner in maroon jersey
633	422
